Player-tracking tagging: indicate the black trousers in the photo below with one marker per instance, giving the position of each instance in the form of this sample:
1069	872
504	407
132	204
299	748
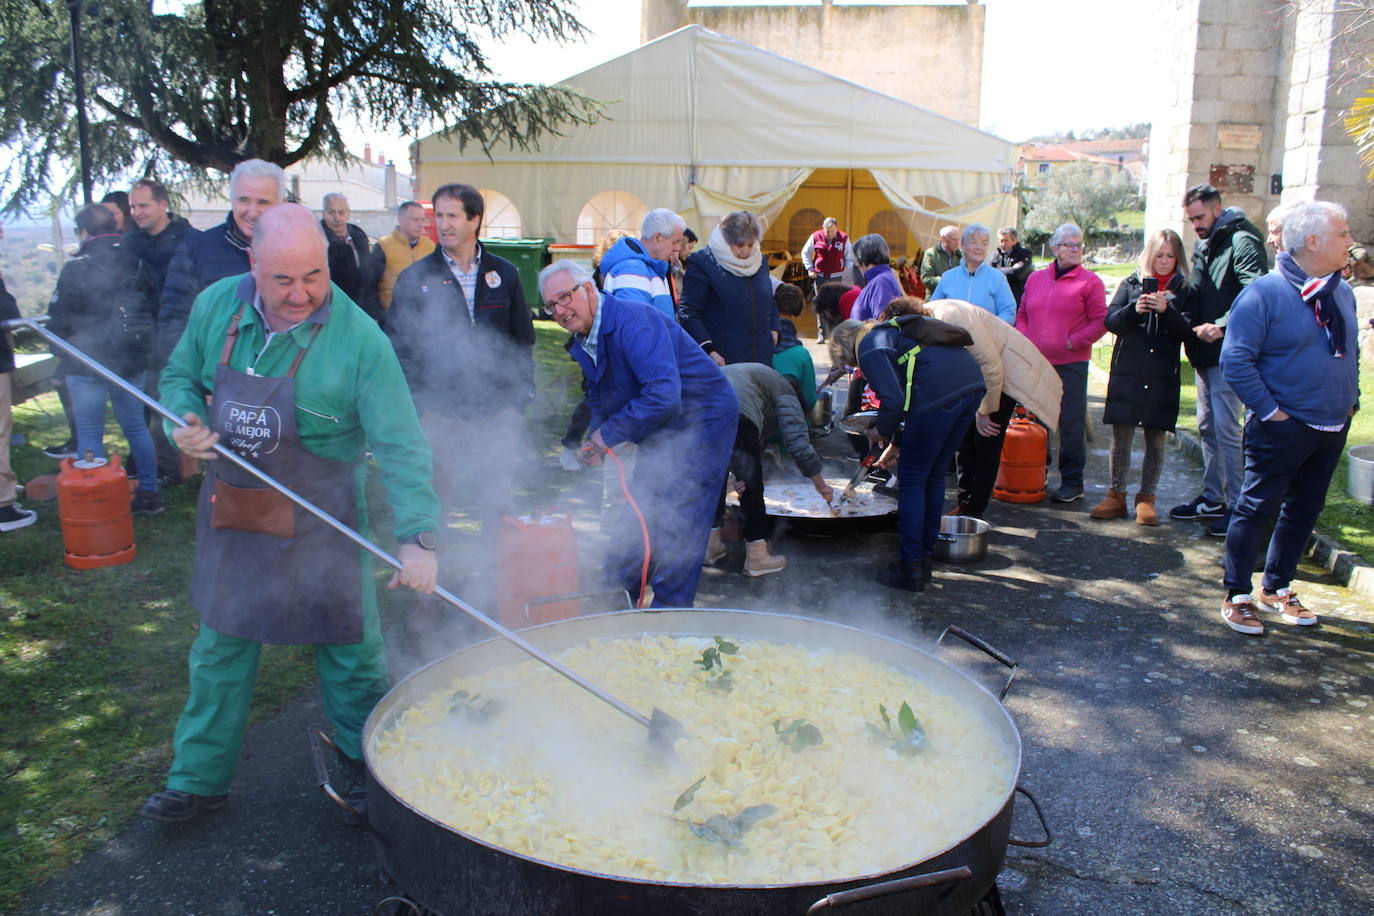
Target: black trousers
747	463
978	460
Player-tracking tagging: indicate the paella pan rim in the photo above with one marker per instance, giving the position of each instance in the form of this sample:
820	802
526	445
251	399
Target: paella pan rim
383	710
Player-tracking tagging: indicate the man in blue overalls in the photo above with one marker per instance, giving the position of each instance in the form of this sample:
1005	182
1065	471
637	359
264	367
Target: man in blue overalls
302	383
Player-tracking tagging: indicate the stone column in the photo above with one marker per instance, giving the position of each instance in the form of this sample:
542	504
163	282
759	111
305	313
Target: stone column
1221	62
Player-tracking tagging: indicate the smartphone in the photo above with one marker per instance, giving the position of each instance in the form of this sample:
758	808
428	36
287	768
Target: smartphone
1149	285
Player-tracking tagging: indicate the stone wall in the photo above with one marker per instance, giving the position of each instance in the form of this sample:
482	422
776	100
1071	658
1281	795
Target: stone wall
930	56
1320	159
1251	96
1221	113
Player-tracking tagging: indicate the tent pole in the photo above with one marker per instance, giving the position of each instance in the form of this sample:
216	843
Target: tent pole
849	203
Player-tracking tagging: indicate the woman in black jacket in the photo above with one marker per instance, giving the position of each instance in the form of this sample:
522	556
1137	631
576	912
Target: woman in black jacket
104	306
1147	317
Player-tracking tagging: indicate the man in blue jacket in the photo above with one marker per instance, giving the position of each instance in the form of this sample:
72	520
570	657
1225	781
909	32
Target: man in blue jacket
649	383
1291	355
637	269
216	253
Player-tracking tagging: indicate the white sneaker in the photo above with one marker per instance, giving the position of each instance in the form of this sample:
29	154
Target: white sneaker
568	460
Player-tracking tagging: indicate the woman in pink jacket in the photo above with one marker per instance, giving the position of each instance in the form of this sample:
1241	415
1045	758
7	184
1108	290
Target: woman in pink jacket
1062	312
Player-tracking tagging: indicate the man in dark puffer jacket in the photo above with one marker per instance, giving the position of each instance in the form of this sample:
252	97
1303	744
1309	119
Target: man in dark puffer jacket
216	253
157	233
103	306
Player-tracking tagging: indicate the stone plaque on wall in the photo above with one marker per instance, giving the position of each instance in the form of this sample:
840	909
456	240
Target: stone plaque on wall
1238	136
1233	179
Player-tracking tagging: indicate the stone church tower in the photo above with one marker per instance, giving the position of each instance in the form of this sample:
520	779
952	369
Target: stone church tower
1254	104
926	55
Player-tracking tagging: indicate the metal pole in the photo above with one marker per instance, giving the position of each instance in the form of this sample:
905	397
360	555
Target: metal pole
79	75
238	461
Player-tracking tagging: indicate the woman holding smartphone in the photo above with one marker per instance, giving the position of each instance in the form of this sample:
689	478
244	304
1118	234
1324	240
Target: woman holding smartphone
1146	315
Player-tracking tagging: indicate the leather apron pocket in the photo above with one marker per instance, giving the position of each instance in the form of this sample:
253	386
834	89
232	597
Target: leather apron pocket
260	510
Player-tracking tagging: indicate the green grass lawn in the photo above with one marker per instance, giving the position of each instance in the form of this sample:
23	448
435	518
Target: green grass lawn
1348	521
93	662
1130	219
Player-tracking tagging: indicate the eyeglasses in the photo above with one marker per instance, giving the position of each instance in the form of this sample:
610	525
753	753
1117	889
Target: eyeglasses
559	301
1072	246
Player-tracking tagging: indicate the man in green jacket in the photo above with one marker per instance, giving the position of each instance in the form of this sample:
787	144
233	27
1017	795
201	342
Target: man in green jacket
940	258
1229	256
301	383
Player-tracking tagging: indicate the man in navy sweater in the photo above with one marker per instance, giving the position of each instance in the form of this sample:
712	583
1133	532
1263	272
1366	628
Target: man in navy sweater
1291	355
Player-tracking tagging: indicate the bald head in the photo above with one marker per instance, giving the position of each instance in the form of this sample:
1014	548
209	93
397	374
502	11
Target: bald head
287	224
949	238
290	265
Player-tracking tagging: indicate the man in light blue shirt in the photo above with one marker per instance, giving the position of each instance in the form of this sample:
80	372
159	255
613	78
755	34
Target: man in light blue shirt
974	280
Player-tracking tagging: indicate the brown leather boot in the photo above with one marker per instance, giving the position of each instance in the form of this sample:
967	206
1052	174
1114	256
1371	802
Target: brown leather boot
760	561
1145	509
1113	505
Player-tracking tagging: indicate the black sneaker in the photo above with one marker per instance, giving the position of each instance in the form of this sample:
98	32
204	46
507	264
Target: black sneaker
909	577
65	450
12	518
146	502
1218	527
1197	508
173	806
1067	494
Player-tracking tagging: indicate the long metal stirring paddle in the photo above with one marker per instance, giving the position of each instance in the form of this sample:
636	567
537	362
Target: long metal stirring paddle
663	728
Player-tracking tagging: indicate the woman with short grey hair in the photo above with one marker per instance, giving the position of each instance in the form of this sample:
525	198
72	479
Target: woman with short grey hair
1062	312
881	284
727	295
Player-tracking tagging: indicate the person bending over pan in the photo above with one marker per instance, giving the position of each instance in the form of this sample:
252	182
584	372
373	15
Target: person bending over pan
649	383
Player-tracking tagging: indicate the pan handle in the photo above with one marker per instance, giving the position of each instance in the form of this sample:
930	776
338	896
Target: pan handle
577	596
1044	825
991	650
844	898
318	741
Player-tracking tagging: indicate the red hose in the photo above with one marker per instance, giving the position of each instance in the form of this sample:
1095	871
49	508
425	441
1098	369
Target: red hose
643	527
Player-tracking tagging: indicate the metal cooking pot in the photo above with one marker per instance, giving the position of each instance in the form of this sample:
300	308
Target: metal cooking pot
962	539
447	871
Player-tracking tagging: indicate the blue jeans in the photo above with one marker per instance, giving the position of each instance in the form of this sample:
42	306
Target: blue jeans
1219	412
1288	466
928	444
88	405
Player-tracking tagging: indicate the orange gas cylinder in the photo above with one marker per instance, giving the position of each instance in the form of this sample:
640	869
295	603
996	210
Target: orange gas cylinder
1021	476
93	502
538	560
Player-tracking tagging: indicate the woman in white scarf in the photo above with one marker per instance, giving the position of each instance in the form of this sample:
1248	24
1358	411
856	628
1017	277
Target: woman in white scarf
727	299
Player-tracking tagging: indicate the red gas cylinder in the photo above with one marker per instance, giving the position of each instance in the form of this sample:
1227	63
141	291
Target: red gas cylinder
546	543
93	503
1021	477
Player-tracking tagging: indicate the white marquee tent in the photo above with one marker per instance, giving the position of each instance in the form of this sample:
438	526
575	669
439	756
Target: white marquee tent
706	124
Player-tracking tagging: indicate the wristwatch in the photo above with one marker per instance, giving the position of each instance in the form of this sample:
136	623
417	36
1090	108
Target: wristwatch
425	539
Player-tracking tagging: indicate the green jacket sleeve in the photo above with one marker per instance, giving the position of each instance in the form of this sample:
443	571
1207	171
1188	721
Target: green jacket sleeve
1247	258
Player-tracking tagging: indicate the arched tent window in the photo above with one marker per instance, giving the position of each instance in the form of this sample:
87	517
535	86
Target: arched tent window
893	228
799	228
502	220
607	212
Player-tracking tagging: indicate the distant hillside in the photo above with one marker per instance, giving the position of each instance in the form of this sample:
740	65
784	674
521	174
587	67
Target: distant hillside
30	271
